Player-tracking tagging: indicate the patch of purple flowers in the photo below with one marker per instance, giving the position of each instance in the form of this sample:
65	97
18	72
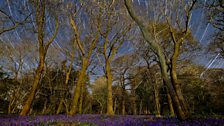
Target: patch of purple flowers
104	120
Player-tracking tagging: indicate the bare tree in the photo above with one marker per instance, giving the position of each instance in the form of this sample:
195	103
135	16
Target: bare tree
85	51
43	48
151	39
112	25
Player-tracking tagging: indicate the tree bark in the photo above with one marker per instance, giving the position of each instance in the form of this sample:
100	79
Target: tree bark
68	72
81	97
77	90
133	99
110	110
140	107
123	101
29	101
156	94
115	105
179	110
172	113
134	105
59	106
174	79
123	107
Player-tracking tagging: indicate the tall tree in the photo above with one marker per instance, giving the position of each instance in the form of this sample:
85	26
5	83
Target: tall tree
85	51
67	75
43	48
152	40
179	36
113	27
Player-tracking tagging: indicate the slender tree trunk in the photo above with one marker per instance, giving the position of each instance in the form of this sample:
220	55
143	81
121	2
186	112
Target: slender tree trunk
157	103
81	98
66	107
77	90
33	91
11	105
123	106
45	107
170	103
80	103
134	106
110	110
68	72
59	106
174	79
134	110
123	101
115	105
140	107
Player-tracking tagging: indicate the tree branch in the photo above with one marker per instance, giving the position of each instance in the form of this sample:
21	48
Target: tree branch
54	35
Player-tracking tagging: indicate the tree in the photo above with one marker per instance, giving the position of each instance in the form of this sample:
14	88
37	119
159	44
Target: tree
121	66
15	57
99	93
68	72
119	31
43	48
85	54
213	86
152	77
176	95
178	38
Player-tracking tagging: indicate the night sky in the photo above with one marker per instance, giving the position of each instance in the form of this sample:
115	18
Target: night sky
14	39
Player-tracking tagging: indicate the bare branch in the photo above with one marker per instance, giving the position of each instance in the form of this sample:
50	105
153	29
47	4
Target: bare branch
54	35
77	37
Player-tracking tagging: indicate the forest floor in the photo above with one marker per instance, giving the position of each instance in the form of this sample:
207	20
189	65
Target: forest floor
104	120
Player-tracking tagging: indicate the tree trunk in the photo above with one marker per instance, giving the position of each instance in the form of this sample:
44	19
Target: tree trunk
109	88
140	107
68	72
35	85
134	107
170	103
157	103
174	79
133	99
81	98
123	106
45	107
78	86
123	101
179	110
66	107
115	105
11	105
60	106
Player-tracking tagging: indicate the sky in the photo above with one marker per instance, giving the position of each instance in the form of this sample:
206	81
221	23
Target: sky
202	31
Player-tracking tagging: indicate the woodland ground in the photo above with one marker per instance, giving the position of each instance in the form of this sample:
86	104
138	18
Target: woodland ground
104	120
